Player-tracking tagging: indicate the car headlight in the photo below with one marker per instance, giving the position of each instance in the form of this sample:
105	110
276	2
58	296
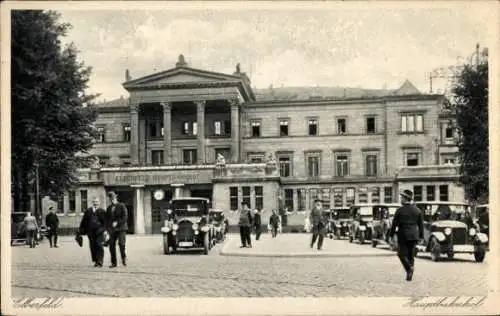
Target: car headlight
195	226
175	227
196	232
174	232
165	229
204	229
169	211
362	228
472	232
166	223
447	231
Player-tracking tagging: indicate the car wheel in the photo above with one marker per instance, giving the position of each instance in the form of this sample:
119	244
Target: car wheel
374	243
479	254
350	238
450	254
435	250
361	237
206	244
166	246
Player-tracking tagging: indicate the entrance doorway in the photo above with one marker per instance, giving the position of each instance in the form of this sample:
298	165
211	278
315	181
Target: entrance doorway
159	210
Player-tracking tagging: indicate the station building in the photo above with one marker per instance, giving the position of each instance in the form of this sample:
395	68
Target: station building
167	138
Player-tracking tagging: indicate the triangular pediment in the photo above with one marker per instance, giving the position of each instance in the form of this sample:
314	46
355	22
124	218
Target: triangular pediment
407	88
181	75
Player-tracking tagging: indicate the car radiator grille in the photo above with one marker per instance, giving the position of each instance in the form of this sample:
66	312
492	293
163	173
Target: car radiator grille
185	231
459	235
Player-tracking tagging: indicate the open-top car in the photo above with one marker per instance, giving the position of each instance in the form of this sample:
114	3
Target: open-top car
382	221
328	218
220	224
341	221
188	225
361	222
444	234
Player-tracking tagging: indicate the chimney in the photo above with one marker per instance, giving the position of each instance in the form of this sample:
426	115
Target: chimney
127	75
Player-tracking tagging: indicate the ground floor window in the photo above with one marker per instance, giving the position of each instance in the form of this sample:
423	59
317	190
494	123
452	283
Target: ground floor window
387	194
417	193
289	199
313	195
246	195
338	197
350	196
443	193
376	195
72	202
259	197
431	193
83	200
325	198
233	198
301	199
60	204
363	195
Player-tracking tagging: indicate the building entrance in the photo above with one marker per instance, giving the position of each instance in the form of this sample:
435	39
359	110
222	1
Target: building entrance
159	209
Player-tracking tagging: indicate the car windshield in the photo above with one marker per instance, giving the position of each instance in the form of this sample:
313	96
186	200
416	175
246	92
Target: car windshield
440	212
342	213
189	208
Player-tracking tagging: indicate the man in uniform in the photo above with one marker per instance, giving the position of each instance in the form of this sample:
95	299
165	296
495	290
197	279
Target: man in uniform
409	221
117	227
274	222
318	223
93	225
245	223
52	222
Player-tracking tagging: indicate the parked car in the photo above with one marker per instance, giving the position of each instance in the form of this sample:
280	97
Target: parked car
383	215
361	221
483	219
189	225
445	235
341	222
220	224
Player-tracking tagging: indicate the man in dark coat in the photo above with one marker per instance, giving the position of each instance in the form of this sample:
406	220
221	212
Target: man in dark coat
257	222
318	223
117	227
245	223
93	225
409	221
52	223
274	222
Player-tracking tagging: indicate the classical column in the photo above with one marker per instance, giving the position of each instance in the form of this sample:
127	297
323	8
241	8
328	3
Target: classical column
134	133
177	190
167	132
235	130
200	113
140	223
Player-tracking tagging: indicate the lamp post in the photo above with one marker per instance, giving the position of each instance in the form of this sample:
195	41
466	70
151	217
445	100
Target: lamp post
37	193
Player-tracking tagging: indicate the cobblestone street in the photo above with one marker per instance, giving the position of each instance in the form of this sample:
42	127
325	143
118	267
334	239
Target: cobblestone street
67	271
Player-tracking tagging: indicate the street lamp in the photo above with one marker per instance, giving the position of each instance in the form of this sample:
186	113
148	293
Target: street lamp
37	193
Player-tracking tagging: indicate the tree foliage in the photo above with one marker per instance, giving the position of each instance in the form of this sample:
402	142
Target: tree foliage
470	98
52	115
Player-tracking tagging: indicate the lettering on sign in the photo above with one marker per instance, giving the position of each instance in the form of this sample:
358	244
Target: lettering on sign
127	179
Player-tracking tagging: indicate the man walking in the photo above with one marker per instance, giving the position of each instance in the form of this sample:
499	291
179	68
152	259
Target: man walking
318	224
117	226
257	222
52	222
409	221
274	221
245	223
31	228
93	225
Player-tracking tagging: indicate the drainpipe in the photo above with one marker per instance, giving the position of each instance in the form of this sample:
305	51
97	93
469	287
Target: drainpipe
386	150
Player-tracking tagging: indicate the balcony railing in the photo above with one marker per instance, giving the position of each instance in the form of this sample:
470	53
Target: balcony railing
428	171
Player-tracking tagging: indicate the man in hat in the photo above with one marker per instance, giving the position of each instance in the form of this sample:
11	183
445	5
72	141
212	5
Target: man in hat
52	222
117	227
257	222
409	221
245	223
318	224
93	225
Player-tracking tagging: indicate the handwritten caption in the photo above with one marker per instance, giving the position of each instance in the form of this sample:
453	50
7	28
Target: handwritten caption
448	301
38	303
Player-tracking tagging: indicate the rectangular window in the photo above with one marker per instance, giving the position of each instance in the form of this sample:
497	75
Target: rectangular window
387	194
101	138
103	161
313	195
338	197
285	165
350	196
127	133
376	195
283	127
342	165
431	193
412	159
195	128
371	165
301	199
325	198
313	127
259	197
341	126
233	198
417	193
189	156
227	127
162	130
412	123
449	161
125	160
60	204
289	199
313	166
443	193
185	128
217	128
246	195
153	129
83	201
448	131
363	195
225	152
370	125
72	201
157	157
255	129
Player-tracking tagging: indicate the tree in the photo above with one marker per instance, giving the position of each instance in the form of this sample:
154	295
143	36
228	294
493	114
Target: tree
470	103
51	116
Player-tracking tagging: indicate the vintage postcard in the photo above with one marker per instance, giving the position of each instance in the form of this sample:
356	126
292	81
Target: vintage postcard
250	158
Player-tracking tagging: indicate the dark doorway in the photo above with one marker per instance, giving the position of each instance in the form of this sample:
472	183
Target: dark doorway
159	210
202	193
126	196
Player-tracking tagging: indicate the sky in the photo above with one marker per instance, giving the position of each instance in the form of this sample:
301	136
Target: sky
374	47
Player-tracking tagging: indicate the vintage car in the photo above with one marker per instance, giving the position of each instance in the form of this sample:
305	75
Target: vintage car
220	224
361	221
328	218
483	220
341	221
443	234
188	225
382	221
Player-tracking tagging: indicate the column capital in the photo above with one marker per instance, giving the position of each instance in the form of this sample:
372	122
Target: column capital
167	106
234	102
134	108
200	103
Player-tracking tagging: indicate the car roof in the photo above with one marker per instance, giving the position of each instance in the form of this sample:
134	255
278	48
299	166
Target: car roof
442	203
376	204
190	199
484	205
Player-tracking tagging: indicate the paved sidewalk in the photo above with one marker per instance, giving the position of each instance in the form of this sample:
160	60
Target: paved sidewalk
297	245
